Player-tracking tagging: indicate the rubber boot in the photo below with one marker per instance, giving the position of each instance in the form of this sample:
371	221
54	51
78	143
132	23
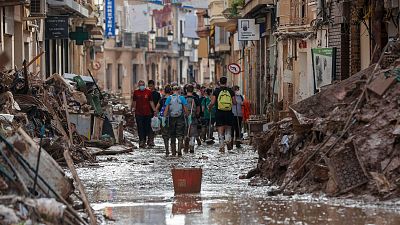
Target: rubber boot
142	144
173	146
150	141
204	133
238	144
180	146
191	144
166	144
228	136
186	147
221	143
198	141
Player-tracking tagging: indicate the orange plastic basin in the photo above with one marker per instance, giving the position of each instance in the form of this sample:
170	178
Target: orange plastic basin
187	180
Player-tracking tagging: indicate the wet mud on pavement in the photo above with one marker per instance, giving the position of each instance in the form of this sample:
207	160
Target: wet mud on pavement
136	188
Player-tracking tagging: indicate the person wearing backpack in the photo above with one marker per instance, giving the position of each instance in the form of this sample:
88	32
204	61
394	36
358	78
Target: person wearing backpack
164	119
208	118
175	110
237	117
194	113
224	98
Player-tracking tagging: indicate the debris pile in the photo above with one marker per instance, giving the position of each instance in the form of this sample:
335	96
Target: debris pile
45	124
345	139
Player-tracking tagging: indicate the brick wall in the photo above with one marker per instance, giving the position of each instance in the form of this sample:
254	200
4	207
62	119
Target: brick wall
339	37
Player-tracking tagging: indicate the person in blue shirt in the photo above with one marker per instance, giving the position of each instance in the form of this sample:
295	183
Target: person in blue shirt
176	107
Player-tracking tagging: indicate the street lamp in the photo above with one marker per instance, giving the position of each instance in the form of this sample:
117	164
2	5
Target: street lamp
184	39
196	41
190	41
170	36
152	34
206	19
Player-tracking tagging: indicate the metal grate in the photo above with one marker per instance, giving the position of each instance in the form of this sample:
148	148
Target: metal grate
128	40
347	170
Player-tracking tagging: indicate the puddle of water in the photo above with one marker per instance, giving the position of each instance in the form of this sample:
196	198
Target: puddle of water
195	210
137	189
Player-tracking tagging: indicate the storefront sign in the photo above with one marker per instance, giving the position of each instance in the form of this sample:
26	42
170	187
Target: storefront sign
324	64
109	14
56	27
234	68
248	30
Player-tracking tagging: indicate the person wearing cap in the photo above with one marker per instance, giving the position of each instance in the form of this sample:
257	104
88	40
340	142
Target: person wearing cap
176	109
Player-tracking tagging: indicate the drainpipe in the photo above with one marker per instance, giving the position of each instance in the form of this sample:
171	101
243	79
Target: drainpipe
320	9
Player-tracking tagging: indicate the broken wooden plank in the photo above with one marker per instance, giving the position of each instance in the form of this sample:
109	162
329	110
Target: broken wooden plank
115	150
81	188
65	105
381	84
49	169
97	128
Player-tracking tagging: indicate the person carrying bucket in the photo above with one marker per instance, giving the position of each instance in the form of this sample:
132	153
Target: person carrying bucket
224	98
175	109
164	119
237	117
192	122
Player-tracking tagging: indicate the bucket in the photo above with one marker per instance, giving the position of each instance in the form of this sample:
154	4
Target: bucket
187	180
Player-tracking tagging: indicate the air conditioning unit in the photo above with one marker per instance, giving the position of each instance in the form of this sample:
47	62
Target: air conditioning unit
37	7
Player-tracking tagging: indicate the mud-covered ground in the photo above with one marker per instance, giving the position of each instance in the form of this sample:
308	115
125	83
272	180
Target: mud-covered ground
136	188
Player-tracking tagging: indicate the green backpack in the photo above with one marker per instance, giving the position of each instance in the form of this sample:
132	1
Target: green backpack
224	100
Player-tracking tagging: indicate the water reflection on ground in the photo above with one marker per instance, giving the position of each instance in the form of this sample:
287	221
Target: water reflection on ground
137	189
193	210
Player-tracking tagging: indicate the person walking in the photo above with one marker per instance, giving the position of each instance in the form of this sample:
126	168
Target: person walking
155	98
224	98
192	120
237	117
164	118
176	108
208	119
142	107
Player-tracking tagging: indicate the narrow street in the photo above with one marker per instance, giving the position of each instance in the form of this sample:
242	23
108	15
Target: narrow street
137	188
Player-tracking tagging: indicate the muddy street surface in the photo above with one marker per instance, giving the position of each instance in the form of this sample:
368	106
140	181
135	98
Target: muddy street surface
137	188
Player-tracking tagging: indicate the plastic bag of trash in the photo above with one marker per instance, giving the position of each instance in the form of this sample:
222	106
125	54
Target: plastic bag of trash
155	124
50	208
8	216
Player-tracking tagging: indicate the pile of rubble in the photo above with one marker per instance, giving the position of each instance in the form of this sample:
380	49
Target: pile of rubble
345	139
45	124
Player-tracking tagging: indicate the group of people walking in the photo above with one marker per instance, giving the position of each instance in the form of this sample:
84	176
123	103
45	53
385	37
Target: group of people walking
188	115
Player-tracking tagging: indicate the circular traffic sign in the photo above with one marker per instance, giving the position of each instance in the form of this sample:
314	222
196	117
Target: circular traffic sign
234	68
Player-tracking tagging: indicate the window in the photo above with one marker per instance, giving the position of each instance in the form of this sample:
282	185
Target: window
109	76
134	74
120	76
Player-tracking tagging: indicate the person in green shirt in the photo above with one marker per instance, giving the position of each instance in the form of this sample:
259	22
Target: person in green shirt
208	116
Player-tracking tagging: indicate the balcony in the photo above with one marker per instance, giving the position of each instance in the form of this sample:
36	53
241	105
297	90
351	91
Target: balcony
67	7
203	26
13	2
253	5
216	7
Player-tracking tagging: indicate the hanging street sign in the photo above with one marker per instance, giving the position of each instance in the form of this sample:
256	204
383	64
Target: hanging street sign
109	14
56	27
248	30
234	68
